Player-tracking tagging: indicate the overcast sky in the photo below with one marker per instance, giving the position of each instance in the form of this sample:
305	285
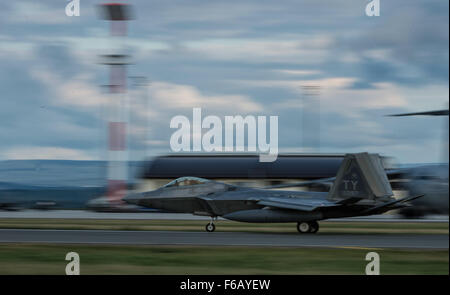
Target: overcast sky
245	57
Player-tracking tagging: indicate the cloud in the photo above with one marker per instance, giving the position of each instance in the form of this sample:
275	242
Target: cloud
299	72
408	45
78	91
19	49
336	93
149	113
174	96
303	49
42	153
234	57
150	117
164	97
33	12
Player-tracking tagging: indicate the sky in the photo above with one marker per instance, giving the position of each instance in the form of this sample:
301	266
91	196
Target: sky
246	57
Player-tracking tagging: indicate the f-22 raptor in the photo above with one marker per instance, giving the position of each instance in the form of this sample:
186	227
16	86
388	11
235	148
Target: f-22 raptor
360	188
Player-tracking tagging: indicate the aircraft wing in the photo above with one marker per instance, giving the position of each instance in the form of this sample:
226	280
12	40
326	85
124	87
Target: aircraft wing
311	205
296	203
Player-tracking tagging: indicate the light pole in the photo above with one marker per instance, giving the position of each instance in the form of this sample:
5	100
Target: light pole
311	117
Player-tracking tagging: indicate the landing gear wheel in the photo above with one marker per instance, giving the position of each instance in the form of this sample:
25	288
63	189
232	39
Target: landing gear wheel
210	227
314	227
303	227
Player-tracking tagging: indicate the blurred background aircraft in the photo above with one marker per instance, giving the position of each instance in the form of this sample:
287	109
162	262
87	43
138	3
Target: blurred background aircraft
431	180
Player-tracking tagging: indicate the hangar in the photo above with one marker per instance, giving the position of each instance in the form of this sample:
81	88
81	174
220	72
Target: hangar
243	169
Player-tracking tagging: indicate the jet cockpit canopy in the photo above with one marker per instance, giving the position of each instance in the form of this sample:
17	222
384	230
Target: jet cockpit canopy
185	181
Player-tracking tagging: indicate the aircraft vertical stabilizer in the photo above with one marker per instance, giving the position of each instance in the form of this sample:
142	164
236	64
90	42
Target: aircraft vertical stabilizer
361	176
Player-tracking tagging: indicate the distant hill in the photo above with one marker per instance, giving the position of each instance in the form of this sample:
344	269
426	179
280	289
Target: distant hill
59	173
70	184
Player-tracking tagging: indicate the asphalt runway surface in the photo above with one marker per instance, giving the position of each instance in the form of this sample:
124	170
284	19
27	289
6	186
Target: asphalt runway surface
81	214
413	241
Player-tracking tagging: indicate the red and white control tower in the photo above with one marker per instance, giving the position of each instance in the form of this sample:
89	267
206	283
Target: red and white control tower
118	14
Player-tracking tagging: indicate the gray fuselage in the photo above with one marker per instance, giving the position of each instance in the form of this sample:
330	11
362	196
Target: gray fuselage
240	204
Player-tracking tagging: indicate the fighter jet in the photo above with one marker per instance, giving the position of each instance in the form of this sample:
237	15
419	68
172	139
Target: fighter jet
360	188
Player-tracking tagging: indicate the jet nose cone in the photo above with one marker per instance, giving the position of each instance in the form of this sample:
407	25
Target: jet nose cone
133	198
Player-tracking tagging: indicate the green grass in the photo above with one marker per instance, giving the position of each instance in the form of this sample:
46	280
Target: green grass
110	259
194	225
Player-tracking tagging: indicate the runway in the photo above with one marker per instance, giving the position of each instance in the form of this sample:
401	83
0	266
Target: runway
413	241
81	214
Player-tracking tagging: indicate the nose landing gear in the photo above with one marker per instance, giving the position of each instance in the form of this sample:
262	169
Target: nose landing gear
210	227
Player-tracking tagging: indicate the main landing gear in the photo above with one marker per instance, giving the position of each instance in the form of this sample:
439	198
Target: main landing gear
308	227
210	227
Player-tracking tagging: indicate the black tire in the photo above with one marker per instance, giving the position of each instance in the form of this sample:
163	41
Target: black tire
210	227
303	227
314	227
